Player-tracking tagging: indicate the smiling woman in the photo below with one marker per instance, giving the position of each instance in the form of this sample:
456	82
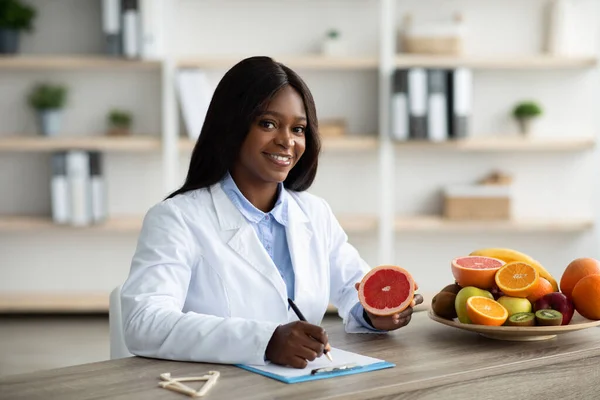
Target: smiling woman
218	260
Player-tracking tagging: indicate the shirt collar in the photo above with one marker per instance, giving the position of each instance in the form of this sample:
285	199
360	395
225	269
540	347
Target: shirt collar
247	209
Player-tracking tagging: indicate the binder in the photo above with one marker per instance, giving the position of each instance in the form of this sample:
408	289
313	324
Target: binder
111	26
131	29
97	187
59	189
195	93
460	83
400	106
78	172
417	100
345	363
437	116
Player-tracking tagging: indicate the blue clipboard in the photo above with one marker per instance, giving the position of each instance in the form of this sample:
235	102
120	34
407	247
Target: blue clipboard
345	363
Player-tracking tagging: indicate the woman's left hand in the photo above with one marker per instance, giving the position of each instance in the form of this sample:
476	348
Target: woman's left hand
395	321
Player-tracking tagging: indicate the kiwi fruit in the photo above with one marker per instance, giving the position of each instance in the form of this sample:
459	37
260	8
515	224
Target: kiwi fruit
453	288
443	305
521	319
548	317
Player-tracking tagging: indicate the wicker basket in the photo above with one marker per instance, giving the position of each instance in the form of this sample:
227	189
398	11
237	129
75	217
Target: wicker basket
432	38
478	202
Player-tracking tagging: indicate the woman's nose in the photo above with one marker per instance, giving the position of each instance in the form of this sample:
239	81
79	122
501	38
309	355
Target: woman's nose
284	138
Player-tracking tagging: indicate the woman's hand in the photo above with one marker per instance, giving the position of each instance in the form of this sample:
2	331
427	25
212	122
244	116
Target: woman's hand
395	321
296	343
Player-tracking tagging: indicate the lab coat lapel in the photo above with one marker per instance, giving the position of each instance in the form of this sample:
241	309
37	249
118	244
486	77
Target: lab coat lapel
245	242
299	234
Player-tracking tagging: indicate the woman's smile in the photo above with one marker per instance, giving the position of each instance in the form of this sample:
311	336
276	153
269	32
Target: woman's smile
282	160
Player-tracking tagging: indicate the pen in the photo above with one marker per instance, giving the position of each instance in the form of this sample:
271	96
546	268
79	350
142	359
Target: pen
301	317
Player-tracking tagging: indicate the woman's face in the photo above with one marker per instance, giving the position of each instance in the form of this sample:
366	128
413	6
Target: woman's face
276	140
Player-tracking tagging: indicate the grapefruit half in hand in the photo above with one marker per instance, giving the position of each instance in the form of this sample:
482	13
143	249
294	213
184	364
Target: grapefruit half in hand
386	290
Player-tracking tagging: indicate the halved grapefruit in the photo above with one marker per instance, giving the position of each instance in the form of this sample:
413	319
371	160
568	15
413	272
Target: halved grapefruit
478	271
386	290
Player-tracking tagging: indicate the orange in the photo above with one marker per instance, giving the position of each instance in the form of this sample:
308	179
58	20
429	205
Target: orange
577	269
543	288
484	311
517	279
478	271
586	297
386	290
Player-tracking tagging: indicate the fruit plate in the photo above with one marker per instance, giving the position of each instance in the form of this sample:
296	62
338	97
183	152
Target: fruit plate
520	333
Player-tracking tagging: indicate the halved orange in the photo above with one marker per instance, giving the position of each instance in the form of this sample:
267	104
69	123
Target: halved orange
517	279
485	311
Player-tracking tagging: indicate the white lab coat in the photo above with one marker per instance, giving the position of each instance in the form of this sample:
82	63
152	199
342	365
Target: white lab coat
203	288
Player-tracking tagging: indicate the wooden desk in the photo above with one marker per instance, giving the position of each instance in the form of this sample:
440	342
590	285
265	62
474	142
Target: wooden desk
433	362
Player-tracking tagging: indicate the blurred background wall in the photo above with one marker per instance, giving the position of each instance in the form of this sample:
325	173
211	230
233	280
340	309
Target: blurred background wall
367	179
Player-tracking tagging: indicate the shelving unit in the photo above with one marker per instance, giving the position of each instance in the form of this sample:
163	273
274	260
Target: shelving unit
504	143
382	223
98	143
21	62
26	302
40	224
438	224
316	62
517	62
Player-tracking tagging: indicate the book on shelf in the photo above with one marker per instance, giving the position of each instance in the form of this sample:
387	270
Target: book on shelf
78	191
111	26
133	28
195	94
431	104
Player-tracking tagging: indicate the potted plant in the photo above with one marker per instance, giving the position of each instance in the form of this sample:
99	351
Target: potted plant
48	100
524	113
15	16
119	122
333	44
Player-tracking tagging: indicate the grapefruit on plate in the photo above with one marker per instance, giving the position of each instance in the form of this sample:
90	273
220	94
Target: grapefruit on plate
478	271
386	290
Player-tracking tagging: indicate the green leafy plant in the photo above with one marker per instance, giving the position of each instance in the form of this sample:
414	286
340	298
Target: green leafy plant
15	14
527	109
120	118
333	34
46	96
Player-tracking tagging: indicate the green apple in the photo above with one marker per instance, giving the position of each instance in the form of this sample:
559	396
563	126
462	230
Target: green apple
460	303
515	304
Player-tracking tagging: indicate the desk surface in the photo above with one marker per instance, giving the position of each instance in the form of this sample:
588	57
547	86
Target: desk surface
433	361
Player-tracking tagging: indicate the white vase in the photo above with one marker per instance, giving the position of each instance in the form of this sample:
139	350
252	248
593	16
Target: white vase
525	126
334	47
49	121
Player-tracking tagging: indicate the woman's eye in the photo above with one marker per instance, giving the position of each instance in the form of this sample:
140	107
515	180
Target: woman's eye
299	130
267	124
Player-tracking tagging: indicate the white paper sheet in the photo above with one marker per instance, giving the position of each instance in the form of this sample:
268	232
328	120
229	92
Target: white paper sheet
340	357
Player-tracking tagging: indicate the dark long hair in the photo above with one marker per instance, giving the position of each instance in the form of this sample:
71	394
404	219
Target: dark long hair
242	95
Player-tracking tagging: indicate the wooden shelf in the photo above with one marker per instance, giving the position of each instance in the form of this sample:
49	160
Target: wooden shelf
126	224
300	62
129	224
492	62
53	302
95	143
358	224
41	62
508	143
350	143
439	224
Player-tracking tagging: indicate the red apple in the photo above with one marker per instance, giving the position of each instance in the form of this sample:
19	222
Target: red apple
556	301
496	292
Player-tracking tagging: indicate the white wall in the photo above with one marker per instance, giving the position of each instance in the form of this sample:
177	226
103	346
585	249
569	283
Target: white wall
65	261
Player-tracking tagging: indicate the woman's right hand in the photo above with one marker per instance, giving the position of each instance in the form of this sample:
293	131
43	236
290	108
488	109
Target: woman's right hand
296	343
